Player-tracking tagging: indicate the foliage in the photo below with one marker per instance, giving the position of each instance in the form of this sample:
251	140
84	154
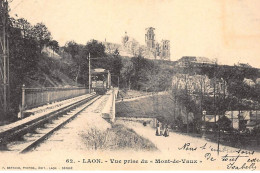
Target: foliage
143	74
41	34
126	72
23	61
115	139
239	95
54	45
99	59
25	45
72	48
116	63
234	77
95	49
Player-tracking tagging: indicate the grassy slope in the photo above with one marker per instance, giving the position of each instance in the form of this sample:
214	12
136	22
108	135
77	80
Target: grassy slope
153	106
117	138
132	93
51	73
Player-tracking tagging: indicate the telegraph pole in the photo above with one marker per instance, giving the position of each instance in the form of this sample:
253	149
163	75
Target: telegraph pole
89	74
118	82
4	59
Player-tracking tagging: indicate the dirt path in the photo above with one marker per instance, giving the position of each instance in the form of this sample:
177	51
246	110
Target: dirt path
195	148
140	97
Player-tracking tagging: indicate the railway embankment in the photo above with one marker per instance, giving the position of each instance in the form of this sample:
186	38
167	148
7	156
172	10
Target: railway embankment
91	132
43	111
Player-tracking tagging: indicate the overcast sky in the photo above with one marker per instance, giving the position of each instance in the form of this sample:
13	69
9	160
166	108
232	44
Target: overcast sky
225	29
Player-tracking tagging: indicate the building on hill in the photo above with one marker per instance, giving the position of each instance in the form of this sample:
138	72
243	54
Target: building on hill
154	49
187	61
243	65
150	38
165	49
244	119
50	52
151	50
204	60
249	82
257	81
239	120
198	84
111	47
128	47
125	39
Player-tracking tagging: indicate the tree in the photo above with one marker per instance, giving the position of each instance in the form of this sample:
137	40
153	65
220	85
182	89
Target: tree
139	63
54	45
23	50
25	27
41	34
24	58
135	48
77	53
116	66
127	72
96	49
116	63
72	48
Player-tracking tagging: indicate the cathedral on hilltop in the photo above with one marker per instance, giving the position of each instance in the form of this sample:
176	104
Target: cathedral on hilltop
150	38
159	50
151	50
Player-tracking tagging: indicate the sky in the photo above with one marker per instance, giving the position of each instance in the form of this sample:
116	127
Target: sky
226	30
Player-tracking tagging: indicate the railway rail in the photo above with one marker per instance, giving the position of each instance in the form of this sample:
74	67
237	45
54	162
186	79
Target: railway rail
29	135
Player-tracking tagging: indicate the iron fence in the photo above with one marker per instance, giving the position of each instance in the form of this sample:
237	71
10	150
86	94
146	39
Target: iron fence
34	97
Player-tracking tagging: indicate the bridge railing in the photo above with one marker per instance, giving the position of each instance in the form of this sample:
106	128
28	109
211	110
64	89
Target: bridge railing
34	97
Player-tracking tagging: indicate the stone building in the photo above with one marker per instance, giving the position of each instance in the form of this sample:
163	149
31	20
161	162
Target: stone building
187	61
197	84
154	49
165	49
150	38
151	50
125	39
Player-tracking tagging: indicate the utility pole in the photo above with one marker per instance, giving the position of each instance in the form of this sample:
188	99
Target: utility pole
186	95
256	109
118	82
89	74
4	59
214	100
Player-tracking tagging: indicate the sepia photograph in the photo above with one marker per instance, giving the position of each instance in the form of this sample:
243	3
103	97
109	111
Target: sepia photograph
129	85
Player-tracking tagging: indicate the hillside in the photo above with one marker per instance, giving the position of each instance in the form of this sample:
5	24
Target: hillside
51	72
158	105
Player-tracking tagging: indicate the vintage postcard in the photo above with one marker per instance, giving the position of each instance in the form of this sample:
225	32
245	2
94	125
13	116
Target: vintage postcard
129	85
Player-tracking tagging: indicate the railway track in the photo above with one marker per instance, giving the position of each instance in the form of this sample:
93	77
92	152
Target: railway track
27	136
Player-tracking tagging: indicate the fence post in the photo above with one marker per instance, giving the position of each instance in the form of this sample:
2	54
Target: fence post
23	101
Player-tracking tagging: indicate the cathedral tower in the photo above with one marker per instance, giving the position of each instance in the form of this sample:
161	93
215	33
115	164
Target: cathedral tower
150	38
165	49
